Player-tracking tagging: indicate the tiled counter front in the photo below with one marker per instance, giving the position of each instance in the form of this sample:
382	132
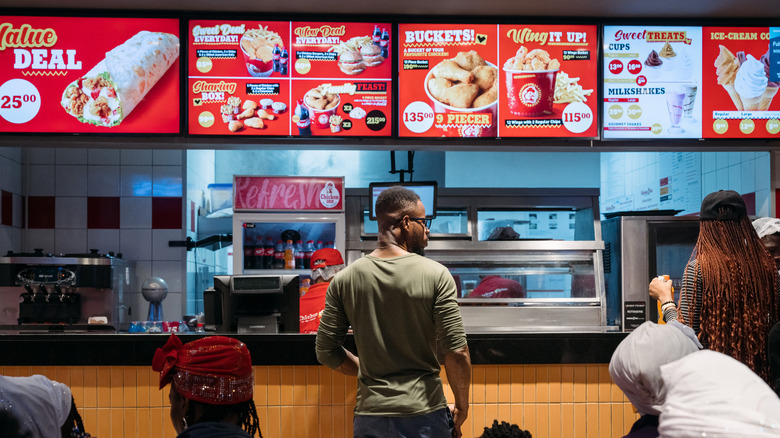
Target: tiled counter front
307	400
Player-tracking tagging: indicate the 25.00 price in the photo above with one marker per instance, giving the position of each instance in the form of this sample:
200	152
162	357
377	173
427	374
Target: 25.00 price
16	101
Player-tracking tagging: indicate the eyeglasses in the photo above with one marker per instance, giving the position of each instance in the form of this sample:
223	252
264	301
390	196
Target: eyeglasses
424	221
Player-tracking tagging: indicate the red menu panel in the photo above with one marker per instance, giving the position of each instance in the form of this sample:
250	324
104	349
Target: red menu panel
288	193
548	78
465	80
738	98
289	78
56	77
439	94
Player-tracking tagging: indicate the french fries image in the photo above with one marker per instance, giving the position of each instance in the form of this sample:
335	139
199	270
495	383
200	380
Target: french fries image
567	89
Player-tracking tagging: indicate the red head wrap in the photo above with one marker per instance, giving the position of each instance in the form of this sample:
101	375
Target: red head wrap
215	370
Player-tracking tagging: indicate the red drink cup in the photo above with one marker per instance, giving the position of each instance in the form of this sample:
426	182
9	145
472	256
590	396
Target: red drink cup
530	93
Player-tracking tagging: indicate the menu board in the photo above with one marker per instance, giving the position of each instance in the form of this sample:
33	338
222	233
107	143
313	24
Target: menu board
266	78
57	77
739	96
461	80
652	82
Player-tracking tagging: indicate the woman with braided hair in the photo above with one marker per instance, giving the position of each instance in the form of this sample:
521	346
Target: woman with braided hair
504	430
212	383
730	290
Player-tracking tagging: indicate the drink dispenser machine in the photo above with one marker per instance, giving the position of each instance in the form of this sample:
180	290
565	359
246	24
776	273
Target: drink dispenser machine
279	221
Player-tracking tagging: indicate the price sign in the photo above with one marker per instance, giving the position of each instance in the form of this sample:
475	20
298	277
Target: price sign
20	101
418	117
577	117
615	66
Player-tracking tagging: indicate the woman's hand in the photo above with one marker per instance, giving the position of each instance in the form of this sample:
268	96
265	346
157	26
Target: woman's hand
661	290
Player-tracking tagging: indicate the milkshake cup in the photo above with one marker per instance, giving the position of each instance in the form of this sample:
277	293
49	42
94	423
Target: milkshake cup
674	106
690	100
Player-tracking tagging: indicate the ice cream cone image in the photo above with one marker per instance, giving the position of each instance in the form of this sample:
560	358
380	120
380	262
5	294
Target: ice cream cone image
751	103
766	98
727	65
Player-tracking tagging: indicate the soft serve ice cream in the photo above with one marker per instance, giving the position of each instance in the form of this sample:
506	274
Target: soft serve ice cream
750	82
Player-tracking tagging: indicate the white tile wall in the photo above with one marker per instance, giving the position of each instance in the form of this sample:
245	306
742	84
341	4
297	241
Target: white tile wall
136	181
70	180
136	157
41	156
70	241
168	157
103	180
71	156
104	241
167	181
136	244
104	156
39	238
41	181
160	248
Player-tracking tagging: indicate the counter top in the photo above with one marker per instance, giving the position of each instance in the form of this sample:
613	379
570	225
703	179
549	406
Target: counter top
111	349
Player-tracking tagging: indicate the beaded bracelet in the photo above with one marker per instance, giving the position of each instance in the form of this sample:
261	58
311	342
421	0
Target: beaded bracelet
669	302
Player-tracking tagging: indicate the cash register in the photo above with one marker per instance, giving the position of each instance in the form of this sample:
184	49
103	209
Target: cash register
247	304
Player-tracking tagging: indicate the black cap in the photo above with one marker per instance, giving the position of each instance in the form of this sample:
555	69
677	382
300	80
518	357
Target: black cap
723	205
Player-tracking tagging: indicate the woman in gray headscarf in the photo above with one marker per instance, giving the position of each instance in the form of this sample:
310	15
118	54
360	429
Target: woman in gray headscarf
768	230
635	368
43	407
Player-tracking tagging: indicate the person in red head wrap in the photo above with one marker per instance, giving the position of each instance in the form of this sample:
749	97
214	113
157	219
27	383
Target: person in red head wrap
212	383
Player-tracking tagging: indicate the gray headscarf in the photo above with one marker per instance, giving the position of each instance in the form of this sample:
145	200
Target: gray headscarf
39	404
766	226
636	363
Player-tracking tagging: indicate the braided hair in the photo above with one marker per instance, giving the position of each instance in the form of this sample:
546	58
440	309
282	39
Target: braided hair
247	415
738	304
505	430
74	426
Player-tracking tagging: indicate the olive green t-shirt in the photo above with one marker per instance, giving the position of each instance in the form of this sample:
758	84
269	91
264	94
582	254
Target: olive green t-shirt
398	308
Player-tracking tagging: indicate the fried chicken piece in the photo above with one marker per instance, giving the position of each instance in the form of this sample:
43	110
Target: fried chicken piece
249	104
485	76
449	69
263	114
99	107
249	112
254	122
461	95
487	97
469	60
235	126
437	87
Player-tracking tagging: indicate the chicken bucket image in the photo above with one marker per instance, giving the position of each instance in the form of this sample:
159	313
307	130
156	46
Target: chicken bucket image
109	92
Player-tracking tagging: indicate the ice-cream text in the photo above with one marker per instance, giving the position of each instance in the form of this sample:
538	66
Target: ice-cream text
734	36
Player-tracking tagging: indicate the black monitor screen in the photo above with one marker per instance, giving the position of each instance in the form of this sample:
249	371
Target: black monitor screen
425	190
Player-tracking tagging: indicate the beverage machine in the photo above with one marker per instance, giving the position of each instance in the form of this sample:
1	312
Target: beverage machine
70	292
279	221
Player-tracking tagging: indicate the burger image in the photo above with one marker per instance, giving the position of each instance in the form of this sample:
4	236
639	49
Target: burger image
351	62
372	55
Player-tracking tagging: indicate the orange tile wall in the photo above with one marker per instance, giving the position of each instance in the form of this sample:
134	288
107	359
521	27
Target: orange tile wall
315	402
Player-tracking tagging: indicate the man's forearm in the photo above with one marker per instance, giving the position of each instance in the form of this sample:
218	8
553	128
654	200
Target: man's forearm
350	364
457	365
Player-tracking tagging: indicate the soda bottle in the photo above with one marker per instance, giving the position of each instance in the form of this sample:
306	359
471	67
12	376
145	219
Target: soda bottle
299	254
249	248
279	255
259	253
268	253
319	245
330	244
304	287
377	35
384	43
277	57
308	249
283	62
289	255
304	123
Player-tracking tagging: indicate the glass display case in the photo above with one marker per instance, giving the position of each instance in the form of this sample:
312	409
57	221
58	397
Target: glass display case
522	259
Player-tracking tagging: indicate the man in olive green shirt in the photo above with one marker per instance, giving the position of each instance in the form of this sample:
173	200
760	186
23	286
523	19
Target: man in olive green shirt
400	306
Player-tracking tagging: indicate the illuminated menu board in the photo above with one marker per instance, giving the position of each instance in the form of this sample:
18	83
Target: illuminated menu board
652	82
739	95
460	80
56	76
264	78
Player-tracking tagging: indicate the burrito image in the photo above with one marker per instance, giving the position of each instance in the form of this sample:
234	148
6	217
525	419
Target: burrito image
111	89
